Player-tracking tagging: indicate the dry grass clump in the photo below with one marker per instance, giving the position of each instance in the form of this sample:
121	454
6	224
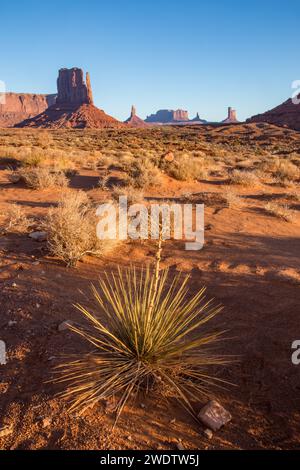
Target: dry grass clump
232	199
142	174
281	211
187	168
244	178
16	221
284	171
147	335
40	178
134	195
71	229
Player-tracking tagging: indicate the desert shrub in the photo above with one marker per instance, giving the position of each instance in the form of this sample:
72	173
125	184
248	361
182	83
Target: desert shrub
142	174
187	168
134	195
147	335
15	220
281	211
40	178
243	178
282	170
71	229
232	199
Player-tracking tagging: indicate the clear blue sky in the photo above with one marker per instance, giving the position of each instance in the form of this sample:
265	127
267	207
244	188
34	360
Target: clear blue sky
196	55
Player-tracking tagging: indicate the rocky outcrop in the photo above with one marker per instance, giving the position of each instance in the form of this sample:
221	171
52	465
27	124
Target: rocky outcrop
231	117
74	106
16	107
286	114
72	90
165	116
134	120
198	120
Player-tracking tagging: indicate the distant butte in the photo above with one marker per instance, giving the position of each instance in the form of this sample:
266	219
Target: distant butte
74	106
231	117
134	120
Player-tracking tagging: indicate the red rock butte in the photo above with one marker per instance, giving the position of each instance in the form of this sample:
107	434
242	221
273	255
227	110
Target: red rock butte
231	117
134	120
74	106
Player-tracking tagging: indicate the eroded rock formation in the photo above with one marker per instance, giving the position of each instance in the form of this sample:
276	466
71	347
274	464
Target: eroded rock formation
17	107
286	114
231	117
134	120
72	90
74	106
168	116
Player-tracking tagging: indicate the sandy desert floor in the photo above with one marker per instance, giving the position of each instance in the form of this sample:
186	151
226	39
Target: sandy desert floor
250	264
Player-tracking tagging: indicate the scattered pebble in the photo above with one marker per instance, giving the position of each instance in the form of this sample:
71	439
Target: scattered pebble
12	322
14	284
143	405
129	438
214	416
38	236
46	422
208	433
179	446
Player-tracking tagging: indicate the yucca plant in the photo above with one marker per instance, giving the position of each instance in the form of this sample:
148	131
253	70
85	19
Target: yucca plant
147	333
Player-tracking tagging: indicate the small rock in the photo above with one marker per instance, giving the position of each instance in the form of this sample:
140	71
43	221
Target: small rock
14	178
129	438
6	431
12	322
14	284
173	421
208	433
179	446
46	422
37	305
65	325
214	416
36	263
168	157
38	236
142	405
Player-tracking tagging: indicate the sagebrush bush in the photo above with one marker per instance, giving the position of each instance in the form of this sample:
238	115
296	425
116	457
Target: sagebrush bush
147	335
187	168
244	178
281	211
142	174
71	229
16	220
40	177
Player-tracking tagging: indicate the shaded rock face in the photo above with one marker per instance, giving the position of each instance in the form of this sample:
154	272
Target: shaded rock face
286	114
20	106
74	106
72	90
231	117
168	115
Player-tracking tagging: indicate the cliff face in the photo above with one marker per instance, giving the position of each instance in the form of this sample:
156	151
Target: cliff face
286	114
72	89
18	107
168	115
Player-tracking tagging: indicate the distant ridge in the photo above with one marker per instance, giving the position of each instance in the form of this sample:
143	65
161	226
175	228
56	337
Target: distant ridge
286	114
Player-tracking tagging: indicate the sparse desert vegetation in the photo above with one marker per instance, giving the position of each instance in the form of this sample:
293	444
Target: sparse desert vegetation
247	176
